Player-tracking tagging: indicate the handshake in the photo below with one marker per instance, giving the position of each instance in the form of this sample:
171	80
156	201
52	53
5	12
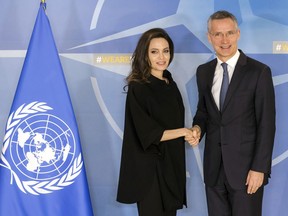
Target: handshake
193	135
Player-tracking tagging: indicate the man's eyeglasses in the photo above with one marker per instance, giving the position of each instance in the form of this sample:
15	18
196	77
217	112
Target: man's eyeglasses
220	35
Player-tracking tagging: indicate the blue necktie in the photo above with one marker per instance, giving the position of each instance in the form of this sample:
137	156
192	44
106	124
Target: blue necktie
224	86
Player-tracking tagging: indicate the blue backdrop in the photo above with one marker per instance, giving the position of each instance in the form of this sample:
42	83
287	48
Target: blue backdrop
95	40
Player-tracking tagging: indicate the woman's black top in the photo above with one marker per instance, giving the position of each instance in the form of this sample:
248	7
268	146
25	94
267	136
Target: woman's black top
152	108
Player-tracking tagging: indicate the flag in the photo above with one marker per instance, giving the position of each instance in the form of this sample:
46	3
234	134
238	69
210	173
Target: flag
41	168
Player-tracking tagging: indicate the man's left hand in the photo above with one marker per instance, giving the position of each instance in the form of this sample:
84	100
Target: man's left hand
254	181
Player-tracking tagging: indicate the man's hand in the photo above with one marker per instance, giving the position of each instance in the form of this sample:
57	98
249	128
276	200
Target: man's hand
196	134
254	181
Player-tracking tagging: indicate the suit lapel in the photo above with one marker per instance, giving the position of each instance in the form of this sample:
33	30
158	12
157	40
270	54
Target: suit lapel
211	72
238	75
210	78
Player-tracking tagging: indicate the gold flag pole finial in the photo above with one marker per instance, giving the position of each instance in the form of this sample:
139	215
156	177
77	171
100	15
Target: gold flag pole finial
43	3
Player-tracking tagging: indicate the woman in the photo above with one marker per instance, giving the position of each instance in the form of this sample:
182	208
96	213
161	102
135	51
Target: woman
152	172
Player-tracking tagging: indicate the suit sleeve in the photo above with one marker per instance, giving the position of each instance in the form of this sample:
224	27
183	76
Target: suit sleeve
148	131
201	115
265	117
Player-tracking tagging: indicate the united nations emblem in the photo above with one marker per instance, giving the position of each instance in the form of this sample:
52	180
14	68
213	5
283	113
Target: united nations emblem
39	150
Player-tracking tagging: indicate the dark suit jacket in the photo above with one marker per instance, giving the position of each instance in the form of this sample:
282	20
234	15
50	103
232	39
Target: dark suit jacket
242	136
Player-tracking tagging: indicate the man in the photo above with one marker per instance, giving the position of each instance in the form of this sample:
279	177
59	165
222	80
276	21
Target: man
239	130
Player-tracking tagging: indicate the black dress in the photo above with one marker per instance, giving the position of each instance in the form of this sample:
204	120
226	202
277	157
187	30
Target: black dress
152	108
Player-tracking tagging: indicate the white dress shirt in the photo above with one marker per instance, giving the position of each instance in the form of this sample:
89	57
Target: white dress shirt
218	76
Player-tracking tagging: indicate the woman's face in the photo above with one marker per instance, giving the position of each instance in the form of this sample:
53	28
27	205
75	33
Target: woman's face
159	55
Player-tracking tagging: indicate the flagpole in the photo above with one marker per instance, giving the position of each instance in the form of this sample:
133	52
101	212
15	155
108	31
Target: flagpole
43	3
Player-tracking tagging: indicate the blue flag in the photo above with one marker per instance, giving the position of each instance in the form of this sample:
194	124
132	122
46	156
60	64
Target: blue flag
42	169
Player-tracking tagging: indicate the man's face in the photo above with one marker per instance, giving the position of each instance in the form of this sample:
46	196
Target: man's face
224	35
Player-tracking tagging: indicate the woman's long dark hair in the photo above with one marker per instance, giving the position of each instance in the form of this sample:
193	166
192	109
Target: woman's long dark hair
141	68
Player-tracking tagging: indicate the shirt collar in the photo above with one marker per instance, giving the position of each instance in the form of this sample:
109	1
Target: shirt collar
232	61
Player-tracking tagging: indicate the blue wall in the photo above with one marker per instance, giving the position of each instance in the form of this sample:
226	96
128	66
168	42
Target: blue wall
95	40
